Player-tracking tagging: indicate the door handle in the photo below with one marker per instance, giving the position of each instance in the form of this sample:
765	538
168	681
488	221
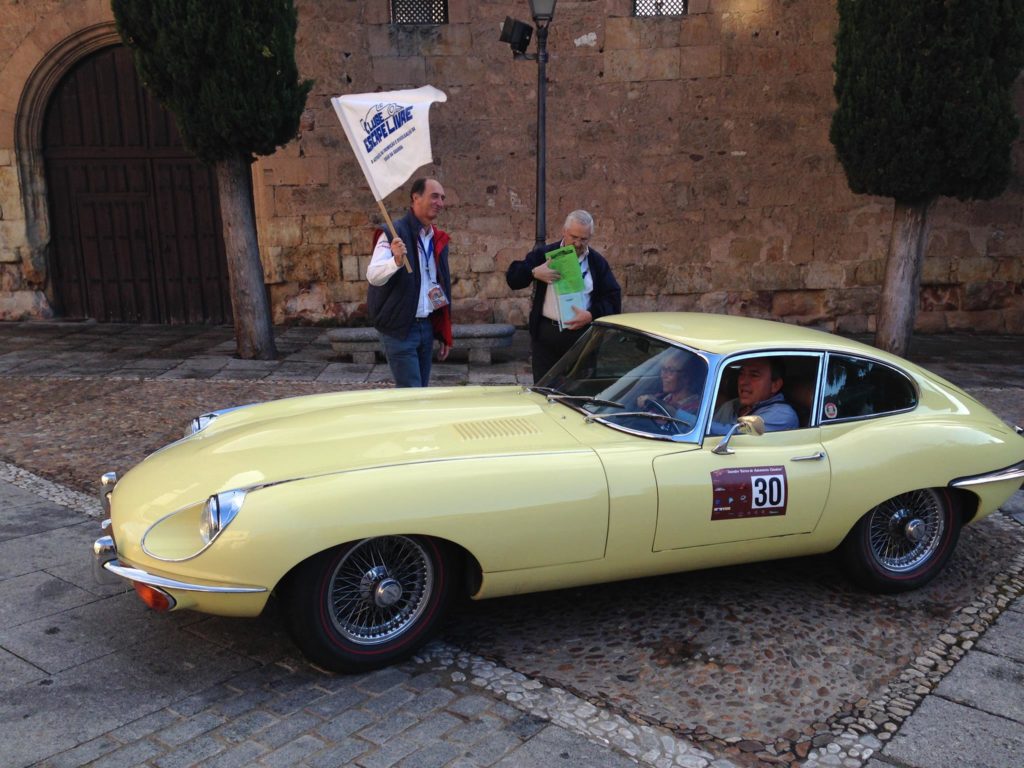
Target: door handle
813	457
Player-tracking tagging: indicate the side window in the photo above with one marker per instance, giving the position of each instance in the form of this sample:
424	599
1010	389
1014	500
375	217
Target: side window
856	388
789	405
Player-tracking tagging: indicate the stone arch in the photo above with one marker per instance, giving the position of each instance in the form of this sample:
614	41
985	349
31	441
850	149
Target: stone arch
40	84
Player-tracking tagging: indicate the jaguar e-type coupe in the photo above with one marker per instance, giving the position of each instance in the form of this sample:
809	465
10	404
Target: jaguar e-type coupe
367	512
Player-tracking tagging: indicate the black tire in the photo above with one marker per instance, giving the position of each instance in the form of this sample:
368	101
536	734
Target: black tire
369	603
904	542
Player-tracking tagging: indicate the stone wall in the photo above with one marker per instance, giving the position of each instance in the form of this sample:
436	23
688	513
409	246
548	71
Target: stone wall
700	144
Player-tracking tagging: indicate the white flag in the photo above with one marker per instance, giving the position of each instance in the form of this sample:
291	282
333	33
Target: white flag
390	133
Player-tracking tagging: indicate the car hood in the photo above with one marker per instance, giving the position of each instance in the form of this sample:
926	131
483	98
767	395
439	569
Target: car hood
322	434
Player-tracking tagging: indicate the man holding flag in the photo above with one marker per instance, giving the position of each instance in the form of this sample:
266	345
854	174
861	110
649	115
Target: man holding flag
410	309
410	285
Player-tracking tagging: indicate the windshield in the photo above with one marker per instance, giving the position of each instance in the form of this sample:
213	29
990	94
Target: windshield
631	381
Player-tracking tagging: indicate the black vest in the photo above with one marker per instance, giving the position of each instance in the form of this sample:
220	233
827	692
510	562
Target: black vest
392	306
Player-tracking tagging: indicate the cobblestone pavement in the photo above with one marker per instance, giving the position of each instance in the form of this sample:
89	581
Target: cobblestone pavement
758	664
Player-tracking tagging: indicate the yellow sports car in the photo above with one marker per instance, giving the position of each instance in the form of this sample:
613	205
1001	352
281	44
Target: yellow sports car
660	443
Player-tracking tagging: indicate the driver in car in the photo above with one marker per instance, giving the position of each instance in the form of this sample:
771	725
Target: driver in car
682	382
759	388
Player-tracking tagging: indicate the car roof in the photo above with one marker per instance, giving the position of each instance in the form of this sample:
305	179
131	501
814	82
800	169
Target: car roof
729	334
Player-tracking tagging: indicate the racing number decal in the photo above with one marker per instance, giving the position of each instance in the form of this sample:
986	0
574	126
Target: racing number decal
749	492
769	491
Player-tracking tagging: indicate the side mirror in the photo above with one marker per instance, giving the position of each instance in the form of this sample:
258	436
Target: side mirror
745	425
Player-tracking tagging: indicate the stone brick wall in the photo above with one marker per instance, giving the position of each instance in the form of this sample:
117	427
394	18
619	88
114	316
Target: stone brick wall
699	143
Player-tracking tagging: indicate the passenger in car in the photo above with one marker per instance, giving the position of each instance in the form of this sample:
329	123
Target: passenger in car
759	393
682	382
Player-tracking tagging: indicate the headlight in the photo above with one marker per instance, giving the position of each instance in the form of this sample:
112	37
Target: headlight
219	510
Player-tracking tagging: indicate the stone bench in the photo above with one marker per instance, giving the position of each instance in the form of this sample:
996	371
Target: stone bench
363	344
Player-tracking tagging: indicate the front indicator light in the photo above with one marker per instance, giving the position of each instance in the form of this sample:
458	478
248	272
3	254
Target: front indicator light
156	599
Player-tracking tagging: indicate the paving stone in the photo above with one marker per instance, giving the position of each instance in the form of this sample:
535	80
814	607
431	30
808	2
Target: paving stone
382	680
83	754
989	683
189	728
387	755
287	729
927	740
40	550
145	726
385	728
471	706
130	754
35	595
434	755
341	754
345	724
1006	636
239	756
292	753
190	753
494	747
55	705
389	701
245	725
85	633
337	701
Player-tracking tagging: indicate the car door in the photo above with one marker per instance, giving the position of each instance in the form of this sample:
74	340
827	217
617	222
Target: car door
775	484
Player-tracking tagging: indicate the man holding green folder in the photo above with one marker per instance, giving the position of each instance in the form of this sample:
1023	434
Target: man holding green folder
583	289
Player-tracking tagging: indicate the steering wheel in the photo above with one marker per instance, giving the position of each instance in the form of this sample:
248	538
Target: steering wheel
655	405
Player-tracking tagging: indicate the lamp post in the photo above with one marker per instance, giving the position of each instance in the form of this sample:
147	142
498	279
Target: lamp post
517	35
543	11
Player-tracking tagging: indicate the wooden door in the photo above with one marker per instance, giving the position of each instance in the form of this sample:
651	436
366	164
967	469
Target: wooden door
136	219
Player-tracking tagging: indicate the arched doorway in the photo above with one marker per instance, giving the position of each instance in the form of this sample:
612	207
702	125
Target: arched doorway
135	219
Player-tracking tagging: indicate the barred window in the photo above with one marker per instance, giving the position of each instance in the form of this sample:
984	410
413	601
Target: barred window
659	7
419	11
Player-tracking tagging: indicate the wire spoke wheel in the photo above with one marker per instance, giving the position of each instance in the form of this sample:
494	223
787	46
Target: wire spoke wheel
379	589
904	542
906	531
368	603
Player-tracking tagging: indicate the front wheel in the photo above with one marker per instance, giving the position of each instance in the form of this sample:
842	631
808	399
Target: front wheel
903	543
369	603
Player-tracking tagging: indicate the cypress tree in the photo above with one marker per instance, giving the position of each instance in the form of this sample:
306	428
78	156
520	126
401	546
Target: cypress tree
227	72
924	110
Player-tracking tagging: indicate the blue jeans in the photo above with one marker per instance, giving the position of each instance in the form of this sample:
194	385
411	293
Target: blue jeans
409	358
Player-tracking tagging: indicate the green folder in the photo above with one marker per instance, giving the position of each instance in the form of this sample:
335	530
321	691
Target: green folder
569	289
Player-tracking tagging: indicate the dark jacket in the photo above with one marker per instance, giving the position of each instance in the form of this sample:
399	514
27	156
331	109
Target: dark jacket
606	298
392	306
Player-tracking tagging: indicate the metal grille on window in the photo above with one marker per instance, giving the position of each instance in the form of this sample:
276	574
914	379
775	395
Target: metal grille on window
419	11
659	7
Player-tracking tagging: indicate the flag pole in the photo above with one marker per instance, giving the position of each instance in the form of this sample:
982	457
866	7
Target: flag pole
394	234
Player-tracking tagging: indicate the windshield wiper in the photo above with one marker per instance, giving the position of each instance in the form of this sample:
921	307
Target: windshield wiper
588	399
544	390
599	416
557	394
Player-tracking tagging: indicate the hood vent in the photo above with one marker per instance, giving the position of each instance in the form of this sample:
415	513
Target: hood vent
485	430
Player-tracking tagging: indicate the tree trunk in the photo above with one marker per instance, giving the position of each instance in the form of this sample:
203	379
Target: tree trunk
898	306
254	334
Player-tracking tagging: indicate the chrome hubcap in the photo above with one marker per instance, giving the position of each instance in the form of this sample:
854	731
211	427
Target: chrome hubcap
388	593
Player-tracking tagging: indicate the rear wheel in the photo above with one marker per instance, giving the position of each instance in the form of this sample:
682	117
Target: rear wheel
902	543
369	603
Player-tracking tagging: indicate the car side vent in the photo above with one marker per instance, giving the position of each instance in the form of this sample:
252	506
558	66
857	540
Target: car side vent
484	430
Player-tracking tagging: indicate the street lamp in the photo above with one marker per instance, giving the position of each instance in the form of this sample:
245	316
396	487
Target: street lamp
517	34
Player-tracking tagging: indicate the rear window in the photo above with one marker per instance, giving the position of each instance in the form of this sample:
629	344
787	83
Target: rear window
856	388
